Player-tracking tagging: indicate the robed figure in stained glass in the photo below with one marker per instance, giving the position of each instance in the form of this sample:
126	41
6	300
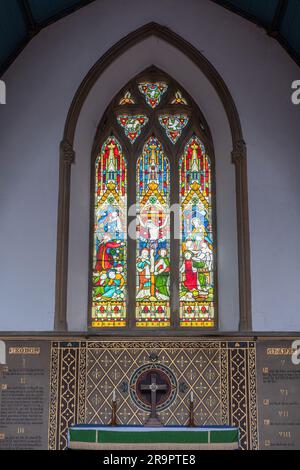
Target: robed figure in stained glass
109	270
153	265
161	270
196	270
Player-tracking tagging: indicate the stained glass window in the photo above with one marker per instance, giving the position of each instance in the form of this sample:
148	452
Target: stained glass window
153	262
134	258
132	125
173	124
109	250
196	257
153	92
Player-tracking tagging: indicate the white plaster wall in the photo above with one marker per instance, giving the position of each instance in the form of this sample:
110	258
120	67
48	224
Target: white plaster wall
40	86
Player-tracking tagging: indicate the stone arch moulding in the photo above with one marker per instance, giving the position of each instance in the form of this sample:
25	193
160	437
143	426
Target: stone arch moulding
239	159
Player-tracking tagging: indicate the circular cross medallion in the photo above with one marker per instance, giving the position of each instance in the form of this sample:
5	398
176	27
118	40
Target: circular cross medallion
153	383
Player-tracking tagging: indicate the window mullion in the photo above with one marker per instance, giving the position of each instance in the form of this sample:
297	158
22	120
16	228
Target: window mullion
174	243
131	242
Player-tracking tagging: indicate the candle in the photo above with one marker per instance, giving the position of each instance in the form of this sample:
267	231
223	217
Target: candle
192	397
114	395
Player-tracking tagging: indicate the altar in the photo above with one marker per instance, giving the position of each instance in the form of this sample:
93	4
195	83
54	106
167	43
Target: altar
91	437
118	387
152	386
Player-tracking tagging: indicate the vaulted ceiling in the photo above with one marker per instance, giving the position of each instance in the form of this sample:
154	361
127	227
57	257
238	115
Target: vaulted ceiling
20	20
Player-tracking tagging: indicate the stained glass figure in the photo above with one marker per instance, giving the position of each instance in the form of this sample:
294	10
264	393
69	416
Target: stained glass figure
196	254
127	99
153	250
173	125
153	92
110	240
178	98
132	125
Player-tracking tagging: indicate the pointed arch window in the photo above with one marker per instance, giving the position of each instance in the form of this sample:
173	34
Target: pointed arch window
154	266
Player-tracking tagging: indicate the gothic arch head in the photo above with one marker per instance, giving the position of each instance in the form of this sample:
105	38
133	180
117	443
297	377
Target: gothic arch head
238	159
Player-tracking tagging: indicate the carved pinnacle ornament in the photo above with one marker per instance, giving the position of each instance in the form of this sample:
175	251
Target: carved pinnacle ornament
239	151
67	152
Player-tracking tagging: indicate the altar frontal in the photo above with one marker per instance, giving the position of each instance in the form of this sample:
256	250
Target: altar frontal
150	438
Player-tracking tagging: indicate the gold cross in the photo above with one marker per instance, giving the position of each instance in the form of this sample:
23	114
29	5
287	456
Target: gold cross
153	147
194	147
111	146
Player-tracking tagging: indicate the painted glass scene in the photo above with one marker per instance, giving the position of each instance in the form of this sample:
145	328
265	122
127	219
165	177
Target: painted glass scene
173	125
196	254
154	132
153	92
153	250
110	227
132	125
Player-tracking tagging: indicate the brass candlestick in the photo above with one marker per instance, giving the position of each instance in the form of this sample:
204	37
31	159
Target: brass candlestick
191	423
113	421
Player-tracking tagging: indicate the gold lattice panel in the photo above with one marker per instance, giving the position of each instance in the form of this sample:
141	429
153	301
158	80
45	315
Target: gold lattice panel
220	374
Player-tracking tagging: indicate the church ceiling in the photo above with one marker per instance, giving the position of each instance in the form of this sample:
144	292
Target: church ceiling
20	20
280	19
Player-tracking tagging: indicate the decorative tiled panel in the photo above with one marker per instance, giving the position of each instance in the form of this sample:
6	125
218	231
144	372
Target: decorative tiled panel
221	375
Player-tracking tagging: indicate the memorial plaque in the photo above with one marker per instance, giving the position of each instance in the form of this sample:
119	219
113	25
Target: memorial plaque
24	395
278	386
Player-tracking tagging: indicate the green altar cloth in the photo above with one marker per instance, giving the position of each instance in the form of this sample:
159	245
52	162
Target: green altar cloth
155	438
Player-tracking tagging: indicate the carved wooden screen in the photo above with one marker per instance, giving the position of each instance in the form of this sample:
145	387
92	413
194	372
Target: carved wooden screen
153	250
